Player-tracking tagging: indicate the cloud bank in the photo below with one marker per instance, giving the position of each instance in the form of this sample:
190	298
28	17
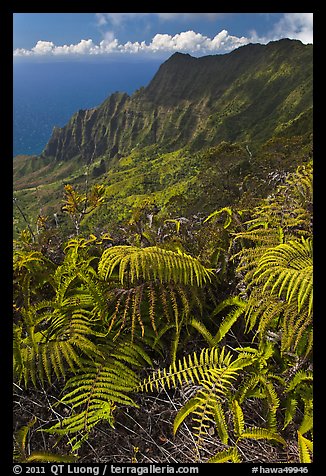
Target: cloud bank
187	41
291	25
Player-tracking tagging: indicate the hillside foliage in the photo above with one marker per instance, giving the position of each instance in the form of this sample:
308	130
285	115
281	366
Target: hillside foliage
217	308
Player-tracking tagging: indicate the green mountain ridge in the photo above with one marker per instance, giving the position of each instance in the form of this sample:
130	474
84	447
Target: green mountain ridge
248	94
186	141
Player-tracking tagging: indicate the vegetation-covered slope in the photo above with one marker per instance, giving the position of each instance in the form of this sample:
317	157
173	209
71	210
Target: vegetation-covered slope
104	334
250	94
163	270
170	185
203	134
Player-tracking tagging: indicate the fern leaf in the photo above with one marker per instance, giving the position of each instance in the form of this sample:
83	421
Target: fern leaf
305	447
220	420
263	434
290	410
238	419
202	329
217	213
191	369
152	263
300	377
307	422
231	454
45	457
188	408
230	319
93	393
21	437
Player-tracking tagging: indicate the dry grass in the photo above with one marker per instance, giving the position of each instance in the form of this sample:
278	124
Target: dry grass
144	434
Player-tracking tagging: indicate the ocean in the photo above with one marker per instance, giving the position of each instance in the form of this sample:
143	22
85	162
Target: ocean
47	94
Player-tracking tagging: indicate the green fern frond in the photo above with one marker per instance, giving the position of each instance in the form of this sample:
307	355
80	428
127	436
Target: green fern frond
21	439
215	372
305	447
238	418
272	400
220	421
186	410
150	264
27	260
93	393
231	454
193	369
217	213
262	434
307	421
47	457
290	410
215	386
300	377
202	329
237	309
288	267
246	387
54	349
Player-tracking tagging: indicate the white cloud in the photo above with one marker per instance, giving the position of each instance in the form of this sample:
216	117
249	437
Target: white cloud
295	26
187	41
291	25
43	48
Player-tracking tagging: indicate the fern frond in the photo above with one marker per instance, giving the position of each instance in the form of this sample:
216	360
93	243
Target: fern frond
193	369
215	386
290	410
46	457
231	454
202	329
300	377
152	263
237	309
307	421
263	434
186	410
289	267
217	213
238	419
305	448
220	421
93	393
21	437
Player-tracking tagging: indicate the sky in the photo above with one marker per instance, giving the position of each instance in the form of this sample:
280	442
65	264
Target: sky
53	36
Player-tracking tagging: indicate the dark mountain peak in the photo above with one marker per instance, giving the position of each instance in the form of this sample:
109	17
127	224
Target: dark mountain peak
179	57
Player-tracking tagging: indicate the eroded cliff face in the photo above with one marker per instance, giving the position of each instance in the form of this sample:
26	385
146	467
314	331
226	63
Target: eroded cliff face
249	94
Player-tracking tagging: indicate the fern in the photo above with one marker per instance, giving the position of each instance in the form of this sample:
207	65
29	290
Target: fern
238	419
262	434
44	353
220	421
299	390
215	373
152	263
305	448
231	454
191	369
186	410
20	451
217	213
47	457
237	309
96	389
287	268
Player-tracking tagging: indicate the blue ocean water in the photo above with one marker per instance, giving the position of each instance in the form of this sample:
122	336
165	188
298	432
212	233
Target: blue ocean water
47	94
